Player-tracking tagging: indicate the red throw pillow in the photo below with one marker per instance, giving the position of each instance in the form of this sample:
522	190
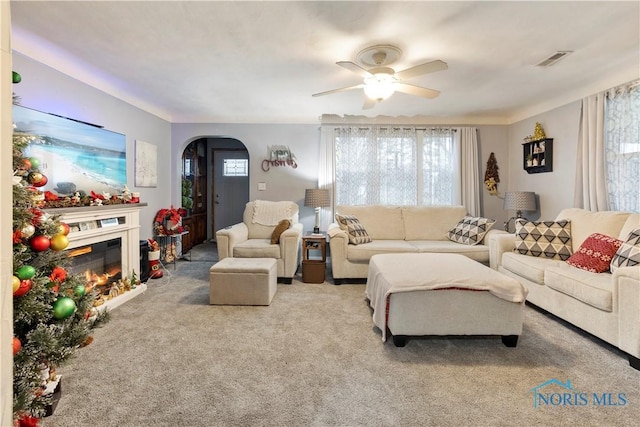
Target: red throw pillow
595	253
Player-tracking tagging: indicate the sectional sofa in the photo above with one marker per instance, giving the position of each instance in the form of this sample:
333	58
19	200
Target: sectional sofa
604	304
401	229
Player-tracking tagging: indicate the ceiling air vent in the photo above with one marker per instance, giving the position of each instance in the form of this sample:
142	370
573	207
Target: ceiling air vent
547	62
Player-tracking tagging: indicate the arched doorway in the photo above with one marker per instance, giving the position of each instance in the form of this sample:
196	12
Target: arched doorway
215	186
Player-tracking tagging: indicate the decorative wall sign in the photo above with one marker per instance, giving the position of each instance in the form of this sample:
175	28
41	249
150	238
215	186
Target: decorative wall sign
146	164
279	155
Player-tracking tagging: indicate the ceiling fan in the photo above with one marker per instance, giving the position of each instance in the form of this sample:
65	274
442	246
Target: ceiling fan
381	81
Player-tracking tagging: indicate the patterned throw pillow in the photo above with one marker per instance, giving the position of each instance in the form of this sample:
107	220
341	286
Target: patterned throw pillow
470	230
354	229
545	239
595	253
282	226
628	254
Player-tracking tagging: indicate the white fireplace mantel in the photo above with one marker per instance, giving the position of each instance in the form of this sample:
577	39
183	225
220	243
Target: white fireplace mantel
93	224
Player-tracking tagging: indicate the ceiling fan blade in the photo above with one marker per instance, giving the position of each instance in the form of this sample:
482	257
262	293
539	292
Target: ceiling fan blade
342	89
429	67
417	90
354	68
369	103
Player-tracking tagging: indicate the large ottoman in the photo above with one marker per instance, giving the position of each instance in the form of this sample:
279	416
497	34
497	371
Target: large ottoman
442	294
243	281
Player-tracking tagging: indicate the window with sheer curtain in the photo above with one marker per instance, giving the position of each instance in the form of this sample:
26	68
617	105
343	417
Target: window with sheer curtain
396	166
622	147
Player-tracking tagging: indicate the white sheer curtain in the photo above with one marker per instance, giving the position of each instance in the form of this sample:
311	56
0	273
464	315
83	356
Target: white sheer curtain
440	167
375	165
390	165
590	190
326	167
470	187
622	147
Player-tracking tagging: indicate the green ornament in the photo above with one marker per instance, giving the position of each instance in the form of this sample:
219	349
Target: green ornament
16	77
63	308
25	272
79	291
35	162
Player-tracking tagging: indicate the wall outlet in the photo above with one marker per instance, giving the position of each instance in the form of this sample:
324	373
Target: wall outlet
262	186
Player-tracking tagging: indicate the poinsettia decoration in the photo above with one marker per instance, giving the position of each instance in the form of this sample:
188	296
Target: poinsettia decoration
169	221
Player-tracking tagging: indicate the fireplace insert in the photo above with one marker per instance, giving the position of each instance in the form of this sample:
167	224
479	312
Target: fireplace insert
100	263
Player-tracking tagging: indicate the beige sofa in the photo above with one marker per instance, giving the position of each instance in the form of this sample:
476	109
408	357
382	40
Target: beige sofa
252	237
603	304
398	229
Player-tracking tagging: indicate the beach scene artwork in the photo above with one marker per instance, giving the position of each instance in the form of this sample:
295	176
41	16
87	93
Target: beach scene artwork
74	156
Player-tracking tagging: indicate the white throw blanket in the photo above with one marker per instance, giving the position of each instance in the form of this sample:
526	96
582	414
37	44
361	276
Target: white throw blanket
270	213
391	273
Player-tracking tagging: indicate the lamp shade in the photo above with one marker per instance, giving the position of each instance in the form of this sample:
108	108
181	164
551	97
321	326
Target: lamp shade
317	198
520	200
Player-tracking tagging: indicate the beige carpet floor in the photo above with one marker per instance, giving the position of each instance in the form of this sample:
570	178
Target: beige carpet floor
314	358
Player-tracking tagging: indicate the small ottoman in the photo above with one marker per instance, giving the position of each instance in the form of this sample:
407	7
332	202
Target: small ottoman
243	281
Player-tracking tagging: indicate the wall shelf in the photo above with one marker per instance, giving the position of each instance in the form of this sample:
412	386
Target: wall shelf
537	156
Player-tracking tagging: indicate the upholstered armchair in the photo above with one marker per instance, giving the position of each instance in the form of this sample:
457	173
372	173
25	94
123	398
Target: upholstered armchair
258	236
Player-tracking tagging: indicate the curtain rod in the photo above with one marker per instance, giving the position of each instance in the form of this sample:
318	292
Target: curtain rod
398	127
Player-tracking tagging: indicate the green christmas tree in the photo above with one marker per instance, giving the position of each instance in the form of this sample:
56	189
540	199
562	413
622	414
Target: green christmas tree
52	310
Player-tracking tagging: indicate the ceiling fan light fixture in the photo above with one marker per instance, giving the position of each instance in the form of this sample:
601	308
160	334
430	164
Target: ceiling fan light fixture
379	86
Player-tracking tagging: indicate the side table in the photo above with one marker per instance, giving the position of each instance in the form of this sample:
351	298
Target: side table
314	258
171	248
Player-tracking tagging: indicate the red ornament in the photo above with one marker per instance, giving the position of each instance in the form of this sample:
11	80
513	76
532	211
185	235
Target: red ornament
17	345
28	421
26	164
25	286
42	182
40	243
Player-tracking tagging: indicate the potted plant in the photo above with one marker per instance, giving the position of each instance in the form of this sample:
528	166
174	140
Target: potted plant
529	160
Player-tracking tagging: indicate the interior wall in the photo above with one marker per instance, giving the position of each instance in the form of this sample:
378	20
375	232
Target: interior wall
6	219
283	182
554	189
287	183
494	139
45	89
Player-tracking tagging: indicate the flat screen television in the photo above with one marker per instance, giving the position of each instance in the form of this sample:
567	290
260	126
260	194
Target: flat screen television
74	156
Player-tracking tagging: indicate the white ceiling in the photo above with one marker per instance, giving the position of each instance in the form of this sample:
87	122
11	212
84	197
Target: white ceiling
259	62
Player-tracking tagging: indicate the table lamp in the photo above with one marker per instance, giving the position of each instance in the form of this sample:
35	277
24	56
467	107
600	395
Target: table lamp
518	201
317	198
